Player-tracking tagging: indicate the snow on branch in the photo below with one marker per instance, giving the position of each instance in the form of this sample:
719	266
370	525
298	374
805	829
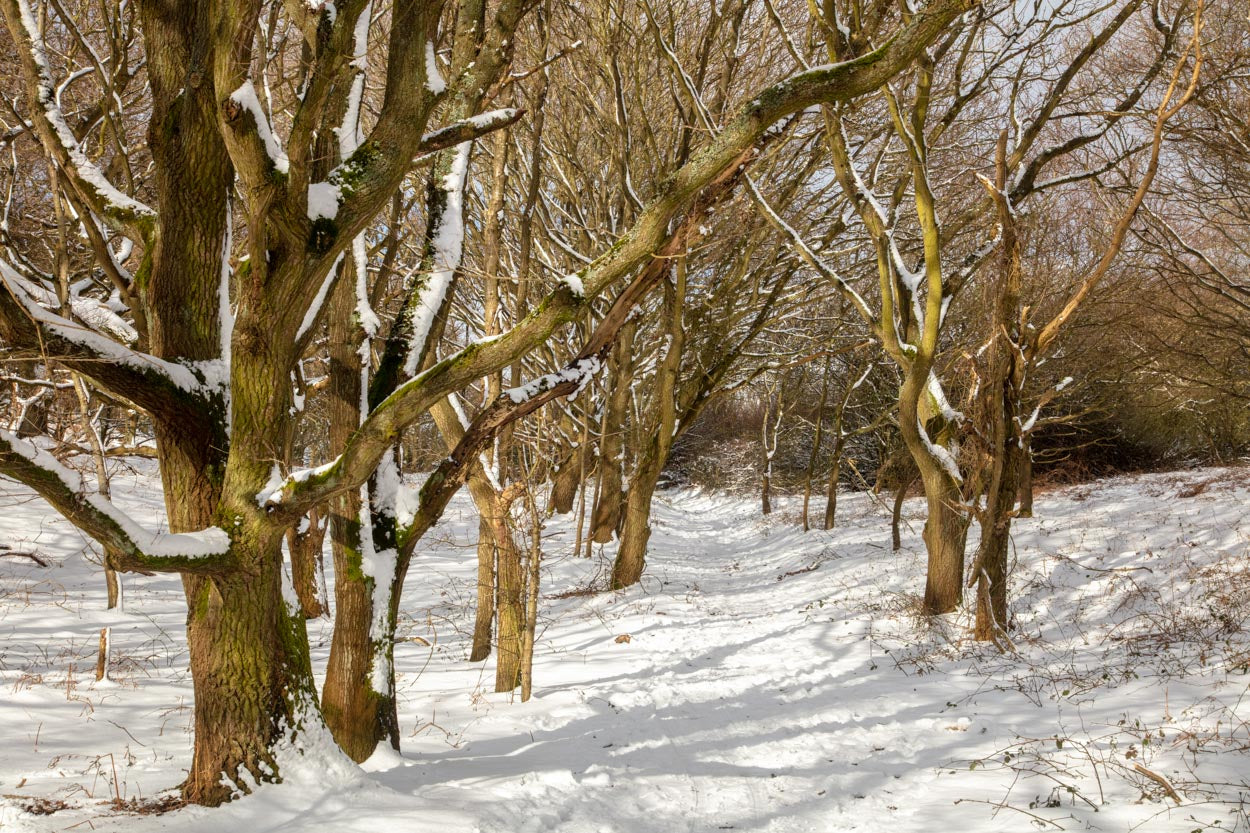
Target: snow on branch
726	153
578	372
95	344
245	97
89	180
468	129
797	243
131	546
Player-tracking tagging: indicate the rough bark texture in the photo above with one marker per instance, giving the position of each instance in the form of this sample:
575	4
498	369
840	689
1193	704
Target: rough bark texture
606	519
253	676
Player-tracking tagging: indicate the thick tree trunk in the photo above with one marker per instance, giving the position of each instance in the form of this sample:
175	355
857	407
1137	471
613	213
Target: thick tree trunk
567	481
991	618
946	528
356	701
252	674
945	539
631	558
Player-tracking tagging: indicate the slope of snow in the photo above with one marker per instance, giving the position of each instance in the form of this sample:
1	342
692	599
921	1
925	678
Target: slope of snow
773	681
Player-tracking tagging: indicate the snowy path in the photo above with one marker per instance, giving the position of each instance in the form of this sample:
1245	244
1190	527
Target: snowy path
773	681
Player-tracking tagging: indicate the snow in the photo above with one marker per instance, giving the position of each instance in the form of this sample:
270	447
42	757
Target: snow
323	200
433	80
102	346
271	495
314	311
246	96
48	99
448	249
580	371
774	682
202	544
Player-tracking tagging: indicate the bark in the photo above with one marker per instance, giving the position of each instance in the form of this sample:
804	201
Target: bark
510	601
1025	509
998	412
606	518
946	528
359	717
566	483
486	500
896	516
945	538
831	498
307	565
631	558
252	673
815	455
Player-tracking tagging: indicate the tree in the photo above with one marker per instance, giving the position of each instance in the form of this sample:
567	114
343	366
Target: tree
234	166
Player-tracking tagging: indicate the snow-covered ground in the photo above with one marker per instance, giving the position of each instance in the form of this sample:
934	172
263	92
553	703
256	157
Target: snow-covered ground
773	681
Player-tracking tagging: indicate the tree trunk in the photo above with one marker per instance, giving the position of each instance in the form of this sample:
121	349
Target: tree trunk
252	675
356	700
307	565
487	502
1025	509
509	606
113	584
945	538
815	455
567	481
631	558
946	528
896	517
606	518
835	472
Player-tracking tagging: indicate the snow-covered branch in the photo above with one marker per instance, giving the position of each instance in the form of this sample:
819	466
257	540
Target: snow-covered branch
121	211
131	546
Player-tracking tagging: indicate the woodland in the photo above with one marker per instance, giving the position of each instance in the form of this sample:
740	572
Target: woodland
290	288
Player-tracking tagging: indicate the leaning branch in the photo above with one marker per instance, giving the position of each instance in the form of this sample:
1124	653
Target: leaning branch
730	149
123	213
131	547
